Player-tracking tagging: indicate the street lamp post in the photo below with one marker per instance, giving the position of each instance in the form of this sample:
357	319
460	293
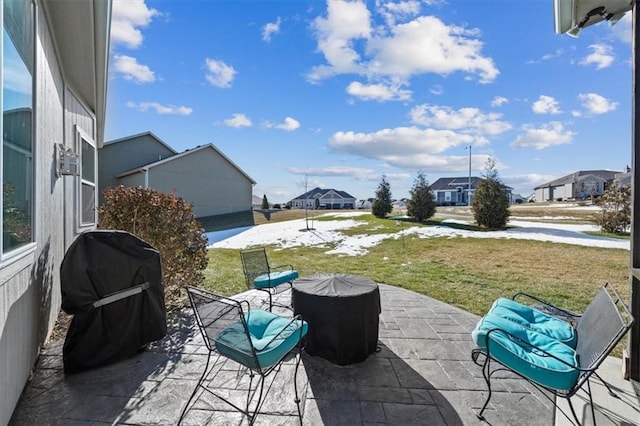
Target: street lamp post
469	185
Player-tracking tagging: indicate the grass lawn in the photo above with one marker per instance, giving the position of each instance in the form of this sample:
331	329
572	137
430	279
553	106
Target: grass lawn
465	272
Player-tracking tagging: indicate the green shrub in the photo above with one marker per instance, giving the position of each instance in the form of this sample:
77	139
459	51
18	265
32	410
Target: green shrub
166	222
616	209
421	205
381	205
490	203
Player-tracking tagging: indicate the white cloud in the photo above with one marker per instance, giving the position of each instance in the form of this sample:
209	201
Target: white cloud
380	92
428	45
290	124
525	183
622	29
238	120
127	17
132	70
401	145
160	109
596	104
270	29
356	173
437	90
466	120
219	74
401	11
601	56
550	134
395	51
546	105
498	101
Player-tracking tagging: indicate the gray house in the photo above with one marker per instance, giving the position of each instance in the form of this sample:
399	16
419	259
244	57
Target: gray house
454	191
323	199
54	79
203	175
575	186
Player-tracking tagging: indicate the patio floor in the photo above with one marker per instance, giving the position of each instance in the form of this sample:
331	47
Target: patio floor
423	374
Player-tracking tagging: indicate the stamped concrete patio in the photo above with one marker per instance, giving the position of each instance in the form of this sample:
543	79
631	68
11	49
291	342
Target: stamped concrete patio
422	374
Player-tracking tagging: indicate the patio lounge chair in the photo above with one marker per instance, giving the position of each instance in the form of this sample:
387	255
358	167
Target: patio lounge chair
262	276
554	354
257	340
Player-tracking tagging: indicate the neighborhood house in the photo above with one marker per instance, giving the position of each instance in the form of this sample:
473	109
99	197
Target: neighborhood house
203	176
323	199
579	185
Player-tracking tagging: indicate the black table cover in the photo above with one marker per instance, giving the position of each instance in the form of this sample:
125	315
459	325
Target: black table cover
342	312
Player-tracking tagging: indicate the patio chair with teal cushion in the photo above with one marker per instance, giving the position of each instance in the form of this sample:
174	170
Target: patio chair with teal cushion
257	341
259	274
555	355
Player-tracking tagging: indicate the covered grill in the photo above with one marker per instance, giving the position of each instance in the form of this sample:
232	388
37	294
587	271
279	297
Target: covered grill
112	285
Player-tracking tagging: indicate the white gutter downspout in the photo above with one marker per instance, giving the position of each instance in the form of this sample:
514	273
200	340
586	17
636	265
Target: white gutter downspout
146	177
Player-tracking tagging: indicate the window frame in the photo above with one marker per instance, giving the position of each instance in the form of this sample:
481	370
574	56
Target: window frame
80	137
20	252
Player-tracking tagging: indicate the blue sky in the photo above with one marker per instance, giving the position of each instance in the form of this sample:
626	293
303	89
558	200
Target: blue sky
335	94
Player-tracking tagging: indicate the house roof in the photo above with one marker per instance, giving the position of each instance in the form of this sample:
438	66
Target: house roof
184	154
138	135
573	177
317	192
80	33
448	183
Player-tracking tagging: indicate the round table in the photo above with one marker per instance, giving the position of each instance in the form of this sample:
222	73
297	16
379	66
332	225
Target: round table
343	314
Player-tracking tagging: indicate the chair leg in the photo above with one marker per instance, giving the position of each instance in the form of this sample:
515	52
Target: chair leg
606	385
204	374
295	384
486	373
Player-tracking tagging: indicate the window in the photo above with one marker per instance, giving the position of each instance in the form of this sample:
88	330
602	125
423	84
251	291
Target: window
17	124
87	194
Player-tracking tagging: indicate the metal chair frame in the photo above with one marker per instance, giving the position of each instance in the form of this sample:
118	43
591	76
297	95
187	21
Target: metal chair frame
606	305
253	366
256	263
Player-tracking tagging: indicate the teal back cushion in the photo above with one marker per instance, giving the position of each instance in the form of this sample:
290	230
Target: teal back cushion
514	351
263	326
536	320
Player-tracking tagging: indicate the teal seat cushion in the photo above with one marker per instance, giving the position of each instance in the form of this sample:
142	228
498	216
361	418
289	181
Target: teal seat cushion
274	279
262	326
526	360
535	320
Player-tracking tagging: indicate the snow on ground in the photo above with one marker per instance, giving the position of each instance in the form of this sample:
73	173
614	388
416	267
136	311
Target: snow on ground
303	232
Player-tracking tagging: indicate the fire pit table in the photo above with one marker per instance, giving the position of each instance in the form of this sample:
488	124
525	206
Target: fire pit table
342	312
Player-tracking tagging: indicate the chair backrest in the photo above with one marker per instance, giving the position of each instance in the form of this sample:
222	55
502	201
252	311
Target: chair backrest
223	326
254	264
600	328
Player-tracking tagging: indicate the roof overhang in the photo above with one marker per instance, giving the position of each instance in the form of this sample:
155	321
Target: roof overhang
80	31
571	16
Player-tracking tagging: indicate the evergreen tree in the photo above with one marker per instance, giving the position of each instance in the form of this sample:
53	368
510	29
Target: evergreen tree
490	202
421	206
381	205
265	203
616	209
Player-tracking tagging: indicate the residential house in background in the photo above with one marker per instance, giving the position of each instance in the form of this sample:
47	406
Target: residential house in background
323	199
54	85
453	191
580	185
203	176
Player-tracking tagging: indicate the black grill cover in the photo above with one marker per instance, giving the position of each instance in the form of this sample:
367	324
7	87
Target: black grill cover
112	285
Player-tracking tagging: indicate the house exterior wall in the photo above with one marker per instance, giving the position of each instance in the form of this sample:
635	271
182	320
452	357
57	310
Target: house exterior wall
116	158
207	180
30	295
